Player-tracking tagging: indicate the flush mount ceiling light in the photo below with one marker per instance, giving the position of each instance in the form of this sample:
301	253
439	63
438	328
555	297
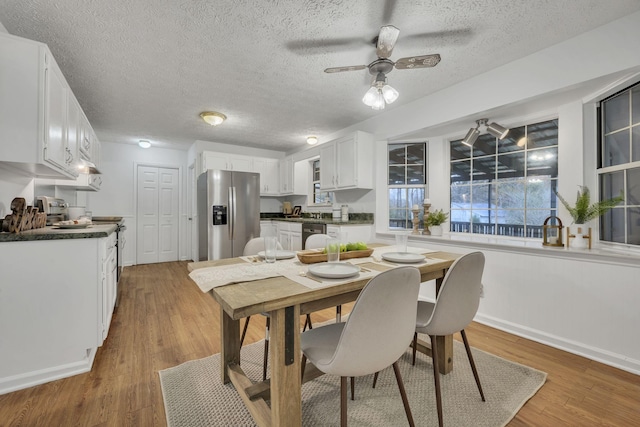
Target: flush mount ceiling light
312	140
494	129
143	143
213	118
380	93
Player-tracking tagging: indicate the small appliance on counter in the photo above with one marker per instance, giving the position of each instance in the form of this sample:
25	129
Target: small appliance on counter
56	209
75	212
337	213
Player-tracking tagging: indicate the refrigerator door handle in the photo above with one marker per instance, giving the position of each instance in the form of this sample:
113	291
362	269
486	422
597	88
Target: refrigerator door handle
232	217
232	202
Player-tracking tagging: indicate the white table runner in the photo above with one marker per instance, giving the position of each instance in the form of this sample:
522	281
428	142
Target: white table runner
211	277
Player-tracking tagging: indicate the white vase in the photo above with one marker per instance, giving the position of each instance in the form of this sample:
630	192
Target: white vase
579	242
436	230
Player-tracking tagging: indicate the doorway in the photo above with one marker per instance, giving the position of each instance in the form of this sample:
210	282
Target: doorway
157	219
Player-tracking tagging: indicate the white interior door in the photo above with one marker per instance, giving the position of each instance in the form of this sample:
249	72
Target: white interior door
157	215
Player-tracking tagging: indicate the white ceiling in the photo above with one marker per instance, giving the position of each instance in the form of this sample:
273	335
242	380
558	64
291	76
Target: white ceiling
145	69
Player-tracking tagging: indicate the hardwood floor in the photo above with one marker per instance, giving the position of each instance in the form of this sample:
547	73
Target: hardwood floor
164	320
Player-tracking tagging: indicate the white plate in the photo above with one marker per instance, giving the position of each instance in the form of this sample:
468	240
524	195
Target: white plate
280	254
403	257
70	226
334	270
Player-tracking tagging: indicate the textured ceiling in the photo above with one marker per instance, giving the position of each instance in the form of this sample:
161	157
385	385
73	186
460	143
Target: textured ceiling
145	69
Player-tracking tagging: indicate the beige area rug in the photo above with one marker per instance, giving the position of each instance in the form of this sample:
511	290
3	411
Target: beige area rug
194	396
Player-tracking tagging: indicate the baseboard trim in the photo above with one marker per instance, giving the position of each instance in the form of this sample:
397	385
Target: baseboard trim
599	355
30	379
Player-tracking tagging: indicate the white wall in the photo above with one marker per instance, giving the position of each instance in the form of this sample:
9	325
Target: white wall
587	306
117	195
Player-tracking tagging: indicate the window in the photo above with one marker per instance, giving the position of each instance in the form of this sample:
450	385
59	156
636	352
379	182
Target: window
619	165
319	197
407	178
505	187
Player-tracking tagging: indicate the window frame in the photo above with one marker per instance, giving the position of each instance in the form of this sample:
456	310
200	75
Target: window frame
605	222
312	187
408	188
493	210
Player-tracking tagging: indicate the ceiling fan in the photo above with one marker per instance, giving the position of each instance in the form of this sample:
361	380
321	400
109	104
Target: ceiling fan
380	92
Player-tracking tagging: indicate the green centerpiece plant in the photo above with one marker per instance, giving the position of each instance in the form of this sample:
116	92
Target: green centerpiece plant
437	217
584	211
434	221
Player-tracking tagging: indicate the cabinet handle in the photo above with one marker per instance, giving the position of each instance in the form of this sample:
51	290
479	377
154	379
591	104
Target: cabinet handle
337	179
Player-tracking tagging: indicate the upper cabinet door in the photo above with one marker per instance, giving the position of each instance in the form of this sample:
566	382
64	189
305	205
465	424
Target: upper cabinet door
74	126
286	175
55	115
347	166
269	179
328	166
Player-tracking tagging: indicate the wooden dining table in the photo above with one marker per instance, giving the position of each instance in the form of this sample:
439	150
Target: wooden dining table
285	300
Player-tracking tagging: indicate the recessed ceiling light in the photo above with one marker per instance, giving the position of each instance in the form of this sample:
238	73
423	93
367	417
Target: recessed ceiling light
312	140
213	118
144	143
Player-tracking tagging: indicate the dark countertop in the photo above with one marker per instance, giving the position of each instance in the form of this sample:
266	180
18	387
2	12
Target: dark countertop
321	221
52	233
354	219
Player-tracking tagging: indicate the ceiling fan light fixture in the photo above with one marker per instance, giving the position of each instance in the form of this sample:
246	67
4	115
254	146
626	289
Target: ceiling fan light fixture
471	137
496	130
213	117
312	140
389	93
143	143
370	97
379	102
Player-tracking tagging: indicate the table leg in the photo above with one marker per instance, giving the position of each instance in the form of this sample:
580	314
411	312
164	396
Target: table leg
229	344
286	400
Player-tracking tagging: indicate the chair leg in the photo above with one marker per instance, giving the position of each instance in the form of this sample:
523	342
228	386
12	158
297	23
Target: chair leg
303	365
309	321
472	363
343	401
244	330
353	388
375	379
415	347
338	313
403	394
436	376
266	350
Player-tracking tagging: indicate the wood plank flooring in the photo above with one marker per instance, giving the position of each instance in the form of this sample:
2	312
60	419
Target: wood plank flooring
164	320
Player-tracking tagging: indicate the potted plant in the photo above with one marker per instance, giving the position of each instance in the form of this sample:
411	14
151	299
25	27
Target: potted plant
435	220
584	211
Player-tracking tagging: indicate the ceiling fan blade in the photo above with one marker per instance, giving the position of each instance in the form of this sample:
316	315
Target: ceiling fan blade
341	69
423	61
387	40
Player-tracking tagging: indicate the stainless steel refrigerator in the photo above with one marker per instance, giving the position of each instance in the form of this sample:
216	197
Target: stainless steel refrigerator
228	212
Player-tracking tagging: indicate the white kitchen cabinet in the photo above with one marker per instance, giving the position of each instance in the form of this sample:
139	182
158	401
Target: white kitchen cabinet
225	161
351	233
286	176
34	110
59	312
289	235
269	175
109	282
347	162
268	228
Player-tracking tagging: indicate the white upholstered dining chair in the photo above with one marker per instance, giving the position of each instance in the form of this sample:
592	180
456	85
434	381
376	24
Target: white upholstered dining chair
455	307
384	312
252	247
